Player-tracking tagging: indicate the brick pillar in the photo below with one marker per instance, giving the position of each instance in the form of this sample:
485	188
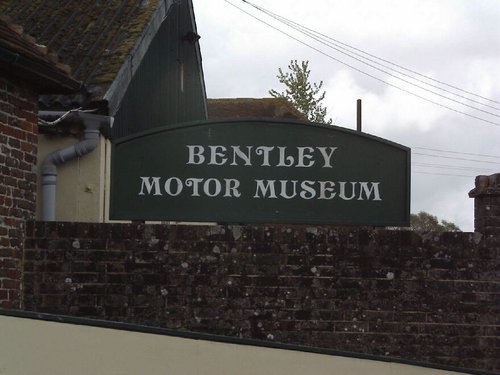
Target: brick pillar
486	196
18	148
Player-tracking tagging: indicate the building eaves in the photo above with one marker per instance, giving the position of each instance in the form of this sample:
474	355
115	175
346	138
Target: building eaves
21	56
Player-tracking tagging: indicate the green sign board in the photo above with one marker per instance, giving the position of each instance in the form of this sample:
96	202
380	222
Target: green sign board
260	171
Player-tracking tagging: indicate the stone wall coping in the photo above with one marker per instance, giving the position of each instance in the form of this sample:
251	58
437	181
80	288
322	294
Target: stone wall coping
486	185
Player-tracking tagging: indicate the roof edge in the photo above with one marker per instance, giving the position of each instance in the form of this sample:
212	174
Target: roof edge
21	56
199	57
48	78
118	87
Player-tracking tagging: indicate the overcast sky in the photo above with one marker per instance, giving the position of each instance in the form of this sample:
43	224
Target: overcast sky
453	41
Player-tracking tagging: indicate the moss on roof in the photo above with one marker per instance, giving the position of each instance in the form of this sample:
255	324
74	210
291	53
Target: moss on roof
93	37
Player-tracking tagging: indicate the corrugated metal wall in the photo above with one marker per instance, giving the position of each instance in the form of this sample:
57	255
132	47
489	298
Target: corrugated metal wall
157	95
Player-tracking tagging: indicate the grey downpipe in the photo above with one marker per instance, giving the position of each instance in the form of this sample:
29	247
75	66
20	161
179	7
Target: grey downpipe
92	125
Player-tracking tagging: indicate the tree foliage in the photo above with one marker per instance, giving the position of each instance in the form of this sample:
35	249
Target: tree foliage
304	95
425	222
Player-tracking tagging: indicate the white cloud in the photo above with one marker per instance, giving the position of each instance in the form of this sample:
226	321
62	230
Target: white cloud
454	41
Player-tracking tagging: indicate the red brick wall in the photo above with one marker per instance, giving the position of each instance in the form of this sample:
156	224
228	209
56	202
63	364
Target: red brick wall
18	147
431	297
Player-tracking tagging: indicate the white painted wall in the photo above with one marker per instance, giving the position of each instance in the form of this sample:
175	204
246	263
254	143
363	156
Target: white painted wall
29	346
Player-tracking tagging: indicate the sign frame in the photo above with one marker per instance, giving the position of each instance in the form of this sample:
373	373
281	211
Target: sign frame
265	127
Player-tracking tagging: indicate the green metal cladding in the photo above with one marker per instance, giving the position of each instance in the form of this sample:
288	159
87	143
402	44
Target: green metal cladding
168	86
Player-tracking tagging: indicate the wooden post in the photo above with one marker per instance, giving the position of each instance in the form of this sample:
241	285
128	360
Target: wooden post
358	116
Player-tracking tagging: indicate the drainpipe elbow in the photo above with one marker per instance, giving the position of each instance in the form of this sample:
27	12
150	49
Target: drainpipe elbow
90	140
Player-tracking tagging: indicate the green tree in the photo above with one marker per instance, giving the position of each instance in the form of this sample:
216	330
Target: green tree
425	222
303	95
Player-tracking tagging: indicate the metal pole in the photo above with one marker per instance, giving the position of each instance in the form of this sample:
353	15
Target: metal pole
358	116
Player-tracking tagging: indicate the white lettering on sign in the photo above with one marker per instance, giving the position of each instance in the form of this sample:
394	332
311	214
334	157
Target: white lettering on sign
263	189
217	157
212	187
285	161
327	156
264	151
196	155
213	156
247	158
195	187
305	156
194	183
263	156
289	189
369	190
232	186
168	186
149	183
326	190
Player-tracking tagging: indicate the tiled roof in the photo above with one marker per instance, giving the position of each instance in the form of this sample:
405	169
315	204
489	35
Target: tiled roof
94	37
248	107
32	60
